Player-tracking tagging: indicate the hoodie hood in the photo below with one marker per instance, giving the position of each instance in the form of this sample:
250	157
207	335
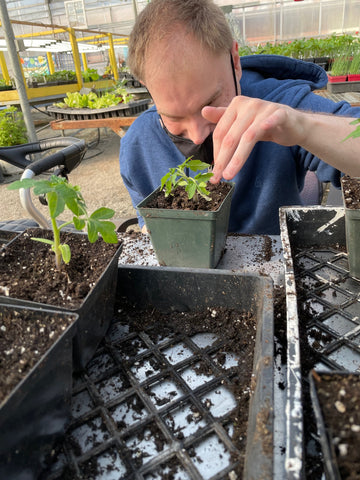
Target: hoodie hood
266	72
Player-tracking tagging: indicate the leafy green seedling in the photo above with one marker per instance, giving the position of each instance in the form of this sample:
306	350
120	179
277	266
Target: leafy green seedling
60	194
356	132
194	186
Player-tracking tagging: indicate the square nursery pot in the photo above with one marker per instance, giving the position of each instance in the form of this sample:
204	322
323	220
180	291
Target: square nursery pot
351	197
336	402
187	238
35	405
94	311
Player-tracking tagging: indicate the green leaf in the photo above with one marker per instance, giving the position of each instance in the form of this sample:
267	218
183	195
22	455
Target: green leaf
65	252
191	189
102	213
79	223
196	165
104	228
164	180
42	185
56	204
92	231
43	240
107	231
204	177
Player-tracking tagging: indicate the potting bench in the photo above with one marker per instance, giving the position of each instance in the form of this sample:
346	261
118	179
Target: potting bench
326	291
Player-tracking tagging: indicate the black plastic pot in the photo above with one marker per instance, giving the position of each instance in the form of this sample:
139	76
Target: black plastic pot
94	314
187	238
37	411
334	438
188	289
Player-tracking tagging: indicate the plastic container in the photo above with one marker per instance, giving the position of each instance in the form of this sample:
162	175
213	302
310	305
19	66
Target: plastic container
35	414
94	314
187	238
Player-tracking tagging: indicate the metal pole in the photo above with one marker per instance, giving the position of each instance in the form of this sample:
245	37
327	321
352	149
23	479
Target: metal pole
135	8
18	74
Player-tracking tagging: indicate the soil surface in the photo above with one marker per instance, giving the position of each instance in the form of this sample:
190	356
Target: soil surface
179	200
339	399
27	268
351	189
25	336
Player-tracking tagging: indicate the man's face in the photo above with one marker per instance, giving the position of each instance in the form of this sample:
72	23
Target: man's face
182	78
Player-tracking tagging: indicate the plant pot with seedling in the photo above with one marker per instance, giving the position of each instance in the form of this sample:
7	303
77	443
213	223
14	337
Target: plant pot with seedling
35	386
351	197
187	217
65	270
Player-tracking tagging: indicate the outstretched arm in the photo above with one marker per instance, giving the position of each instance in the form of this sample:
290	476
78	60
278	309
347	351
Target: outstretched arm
249	120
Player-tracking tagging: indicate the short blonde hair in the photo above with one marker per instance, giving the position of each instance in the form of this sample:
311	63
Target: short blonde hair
202	18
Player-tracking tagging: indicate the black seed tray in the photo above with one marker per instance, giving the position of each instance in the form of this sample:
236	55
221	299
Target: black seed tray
122	110
323	317
139	383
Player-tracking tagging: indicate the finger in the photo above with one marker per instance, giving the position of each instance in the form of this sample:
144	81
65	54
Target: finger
212	114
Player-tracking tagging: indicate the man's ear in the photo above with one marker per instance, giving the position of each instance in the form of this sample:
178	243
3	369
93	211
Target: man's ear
236	59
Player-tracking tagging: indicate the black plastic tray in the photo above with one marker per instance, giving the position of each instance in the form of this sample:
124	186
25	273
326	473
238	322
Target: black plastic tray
319	287
122	110
113	381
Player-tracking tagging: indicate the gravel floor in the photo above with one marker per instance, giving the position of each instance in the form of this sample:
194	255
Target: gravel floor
98	175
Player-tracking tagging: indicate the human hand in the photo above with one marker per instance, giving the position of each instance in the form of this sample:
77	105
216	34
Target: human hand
245	122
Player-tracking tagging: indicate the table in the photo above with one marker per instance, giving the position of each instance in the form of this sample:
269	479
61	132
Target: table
351	97
115	123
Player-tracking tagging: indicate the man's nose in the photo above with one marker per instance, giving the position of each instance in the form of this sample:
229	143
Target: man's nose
198	130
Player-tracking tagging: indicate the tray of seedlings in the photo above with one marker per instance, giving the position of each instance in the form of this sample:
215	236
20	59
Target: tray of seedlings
130	109
323	341
181	386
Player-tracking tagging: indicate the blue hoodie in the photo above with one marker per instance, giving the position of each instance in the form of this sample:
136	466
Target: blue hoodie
273	175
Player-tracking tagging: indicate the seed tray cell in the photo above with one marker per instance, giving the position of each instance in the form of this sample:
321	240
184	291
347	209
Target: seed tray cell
157	402
323	304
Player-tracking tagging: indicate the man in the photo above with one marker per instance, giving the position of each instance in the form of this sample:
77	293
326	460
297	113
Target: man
255	118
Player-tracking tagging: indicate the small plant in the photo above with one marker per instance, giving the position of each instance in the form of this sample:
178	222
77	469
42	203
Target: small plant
340	65
194	186
12	127
90	75
356	132
93	101
60	194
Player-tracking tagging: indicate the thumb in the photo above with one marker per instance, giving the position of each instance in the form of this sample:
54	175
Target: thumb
213	114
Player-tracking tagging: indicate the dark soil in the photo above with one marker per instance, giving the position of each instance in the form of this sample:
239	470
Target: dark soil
27	269
179	200
351	192
236	332
25	336
339	399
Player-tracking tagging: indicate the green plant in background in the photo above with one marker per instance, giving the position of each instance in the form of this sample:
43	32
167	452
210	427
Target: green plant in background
91	100
90	75
12	127
60	194
354	67
194	186
340	65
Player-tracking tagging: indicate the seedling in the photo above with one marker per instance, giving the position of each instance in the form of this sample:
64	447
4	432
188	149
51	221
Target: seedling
356	132
60	194
194	186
